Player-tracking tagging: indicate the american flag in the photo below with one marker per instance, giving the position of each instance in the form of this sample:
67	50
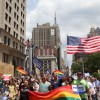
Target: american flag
38	62
83	45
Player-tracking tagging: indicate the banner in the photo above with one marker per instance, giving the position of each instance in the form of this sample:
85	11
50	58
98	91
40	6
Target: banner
38	62
61	93
79	89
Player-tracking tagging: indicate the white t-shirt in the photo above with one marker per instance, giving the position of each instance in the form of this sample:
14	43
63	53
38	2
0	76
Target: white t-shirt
44	87
92	88
98	85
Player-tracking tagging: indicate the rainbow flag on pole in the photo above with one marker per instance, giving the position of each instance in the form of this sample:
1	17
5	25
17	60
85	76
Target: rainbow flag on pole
21	70
59	73
61	93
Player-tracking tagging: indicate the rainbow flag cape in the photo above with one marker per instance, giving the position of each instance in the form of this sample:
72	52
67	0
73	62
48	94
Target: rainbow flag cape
59	73
21	70
61	93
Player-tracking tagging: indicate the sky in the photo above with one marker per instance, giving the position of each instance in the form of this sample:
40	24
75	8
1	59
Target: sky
74	17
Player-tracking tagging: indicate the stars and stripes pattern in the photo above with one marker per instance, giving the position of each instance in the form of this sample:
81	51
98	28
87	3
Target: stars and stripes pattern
37	62
86	45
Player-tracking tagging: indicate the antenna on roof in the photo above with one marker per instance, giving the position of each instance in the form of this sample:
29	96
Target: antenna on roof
55	18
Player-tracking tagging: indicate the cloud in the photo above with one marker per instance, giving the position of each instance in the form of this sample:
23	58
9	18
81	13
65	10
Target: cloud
75	17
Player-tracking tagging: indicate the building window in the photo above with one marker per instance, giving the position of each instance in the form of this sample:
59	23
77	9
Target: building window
17	26
10	1
18	1
52	51
5	27
6	16
10	9
9	29
5	58
17	9
21	13
10	20
6	6
23	24
14	14
21	5
15	5
13	44
14	33
16	45
23	16
8	41
5	39
17	17
43	51
47	51
14	24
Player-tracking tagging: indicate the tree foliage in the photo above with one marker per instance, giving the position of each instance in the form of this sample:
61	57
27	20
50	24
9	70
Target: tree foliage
91	64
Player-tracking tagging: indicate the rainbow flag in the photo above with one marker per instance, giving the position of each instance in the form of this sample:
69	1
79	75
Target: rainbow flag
61	93
59	73
1	74
21	70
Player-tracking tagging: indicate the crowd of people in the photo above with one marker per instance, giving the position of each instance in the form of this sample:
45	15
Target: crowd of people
16	88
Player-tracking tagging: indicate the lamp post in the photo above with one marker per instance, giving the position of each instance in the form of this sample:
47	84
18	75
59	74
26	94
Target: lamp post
58	57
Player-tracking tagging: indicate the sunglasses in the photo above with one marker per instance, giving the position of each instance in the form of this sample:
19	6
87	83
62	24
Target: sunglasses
79	74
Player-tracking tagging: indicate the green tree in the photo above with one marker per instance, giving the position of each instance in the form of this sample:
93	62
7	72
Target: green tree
92	62
76	67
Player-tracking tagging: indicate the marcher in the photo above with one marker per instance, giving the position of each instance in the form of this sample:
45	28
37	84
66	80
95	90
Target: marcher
85	92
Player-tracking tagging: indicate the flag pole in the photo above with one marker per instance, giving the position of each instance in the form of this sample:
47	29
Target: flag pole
82	65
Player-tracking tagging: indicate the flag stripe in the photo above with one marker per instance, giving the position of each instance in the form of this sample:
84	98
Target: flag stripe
89	45
61	93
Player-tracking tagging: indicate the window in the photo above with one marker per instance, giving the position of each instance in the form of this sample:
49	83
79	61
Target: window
14	33
21	21
5	58
23	8
6	6
15	5
21	5
10	1
43	51
10	20
5	27
14	14
23	24
17	1
17	26
6	16
9	29
17	9
14	24
21	13
5	39
10	9
20	30
16	45
17	17
13	44
8	41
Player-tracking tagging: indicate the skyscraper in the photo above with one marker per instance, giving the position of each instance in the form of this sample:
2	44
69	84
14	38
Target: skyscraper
47	39
46	35
12	31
